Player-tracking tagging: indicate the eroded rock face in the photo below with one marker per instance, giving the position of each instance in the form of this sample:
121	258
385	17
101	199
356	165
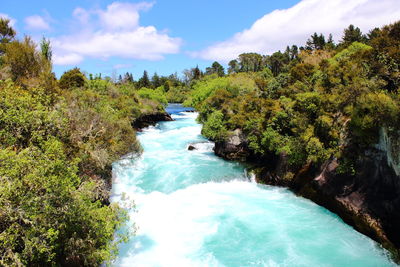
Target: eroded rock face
234	148
391	145
277	173
147	120
369	200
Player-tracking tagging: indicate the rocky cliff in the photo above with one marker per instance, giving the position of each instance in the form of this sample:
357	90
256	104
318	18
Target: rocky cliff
369	200
234	148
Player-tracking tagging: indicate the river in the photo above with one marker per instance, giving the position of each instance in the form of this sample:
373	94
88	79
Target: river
195	209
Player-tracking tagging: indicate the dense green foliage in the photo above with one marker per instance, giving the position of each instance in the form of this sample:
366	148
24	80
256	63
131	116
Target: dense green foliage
322	101
48	213
215	68
58	140
7	33
54	164
72	79
153	94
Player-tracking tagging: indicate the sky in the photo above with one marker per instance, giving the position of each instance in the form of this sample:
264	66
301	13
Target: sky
168	36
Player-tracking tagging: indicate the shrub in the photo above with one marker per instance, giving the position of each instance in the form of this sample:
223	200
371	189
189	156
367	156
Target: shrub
214	128
72	79
23	61
48	215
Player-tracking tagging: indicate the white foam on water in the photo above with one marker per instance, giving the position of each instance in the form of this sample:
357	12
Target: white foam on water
190	214
251	176
185	115
204	147
177	225
175	229
185	131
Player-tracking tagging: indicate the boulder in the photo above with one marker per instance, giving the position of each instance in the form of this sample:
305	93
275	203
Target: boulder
146	120
234	147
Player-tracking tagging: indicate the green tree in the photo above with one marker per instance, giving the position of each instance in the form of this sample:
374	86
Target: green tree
46	50
277	61
374	33
144	81
155	80
128	78
330	43
214	127
352	34
196	73
216	68
73	78
233	66
293	52
250	62
386	55
23	60
192	74
7	33
316	42
155	95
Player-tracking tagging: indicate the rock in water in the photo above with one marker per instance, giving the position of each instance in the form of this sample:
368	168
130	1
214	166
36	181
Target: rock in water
146	120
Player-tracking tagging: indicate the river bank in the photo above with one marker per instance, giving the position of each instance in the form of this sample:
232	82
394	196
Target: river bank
368	201
195	209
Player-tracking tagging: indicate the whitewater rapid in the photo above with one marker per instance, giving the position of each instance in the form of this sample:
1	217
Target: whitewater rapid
195	209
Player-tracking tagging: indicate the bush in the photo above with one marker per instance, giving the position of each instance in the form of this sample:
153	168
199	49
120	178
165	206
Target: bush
152	99
99	127
72	79
22	61
27	117
371	112
177	94
214	128
48	215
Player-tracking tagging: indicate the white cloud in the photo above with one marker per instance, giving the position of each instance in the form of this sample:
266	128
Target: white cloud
12	21
81	15
122	16
36	23
294	25
113	32
122	66
67	59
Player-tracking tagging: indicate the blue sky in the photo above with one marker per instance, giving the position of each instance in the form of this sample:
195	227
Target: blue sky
168	36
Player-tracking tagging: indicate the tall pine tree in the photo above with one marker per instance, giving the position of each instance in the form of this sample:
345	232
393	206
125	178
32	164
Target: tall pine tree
144	81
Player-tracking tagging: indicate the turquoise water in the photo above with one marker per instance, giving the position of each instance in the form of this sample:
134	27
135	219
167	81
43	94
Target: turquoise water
195	209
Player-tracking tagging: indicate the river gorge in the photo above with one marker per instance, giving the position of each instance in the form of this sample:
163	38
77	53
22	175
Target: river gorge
196	209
